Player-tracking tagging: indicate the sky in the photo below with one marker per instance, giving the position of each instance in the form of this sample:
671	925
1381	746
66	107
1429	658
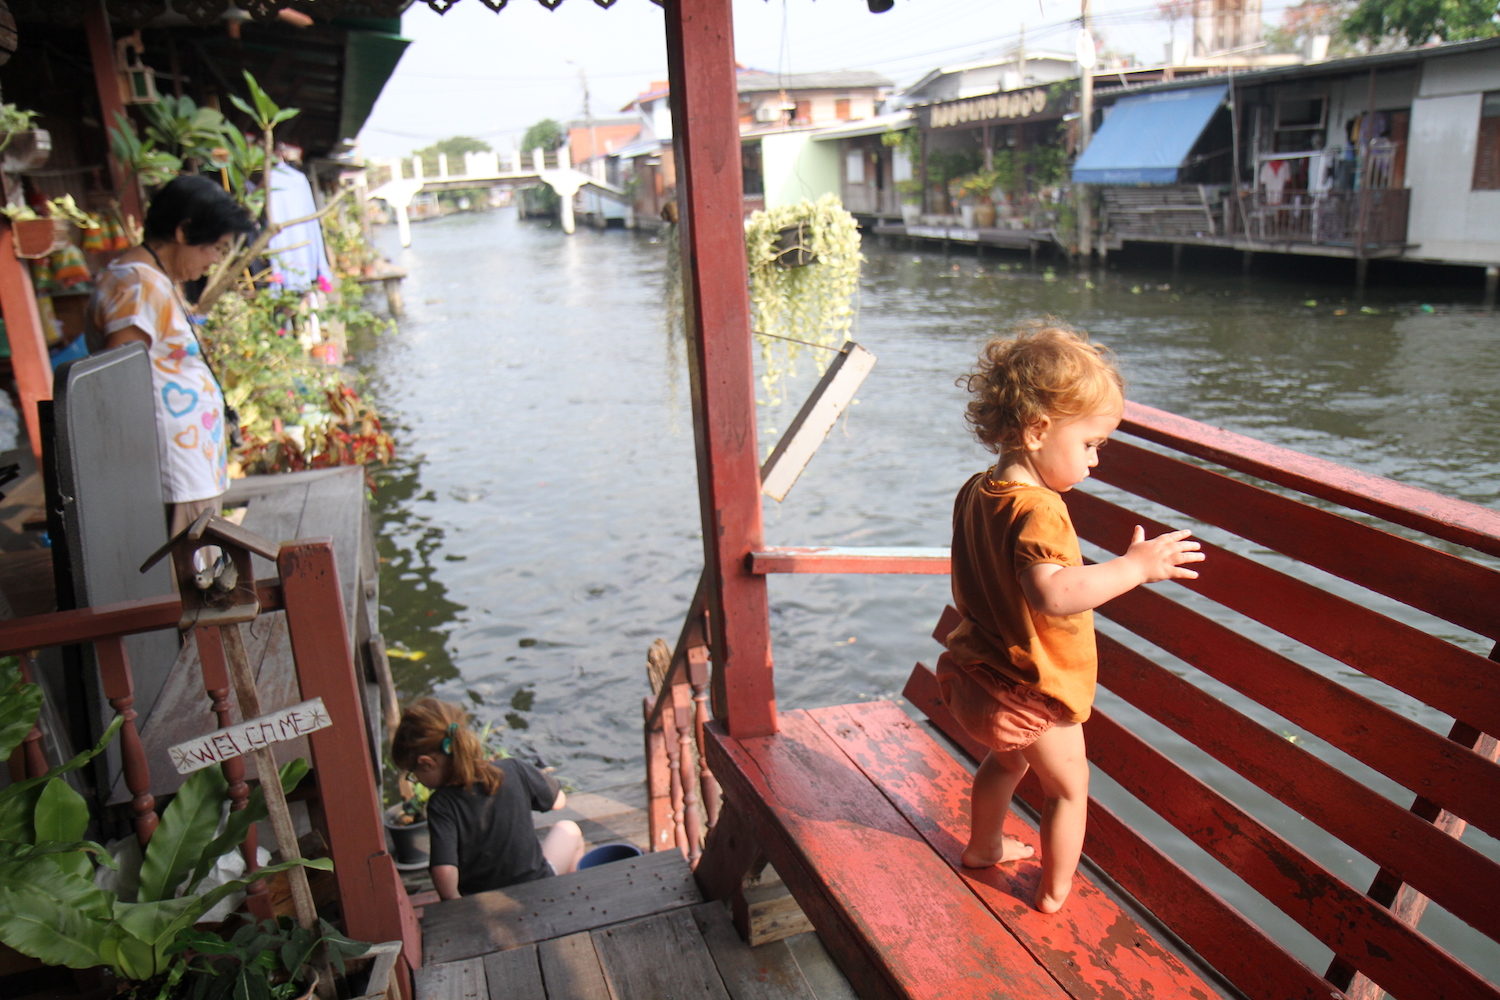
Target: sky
490	75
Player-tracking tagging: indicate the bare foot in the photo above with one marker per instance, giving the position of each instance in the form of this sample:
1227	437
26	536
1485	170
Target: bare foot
1047	902
1011	849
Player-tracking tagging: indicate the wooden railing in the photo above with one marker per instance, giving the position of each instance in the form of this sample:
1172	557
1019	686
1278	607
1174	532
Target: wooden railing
374	904
1373	218
1283	676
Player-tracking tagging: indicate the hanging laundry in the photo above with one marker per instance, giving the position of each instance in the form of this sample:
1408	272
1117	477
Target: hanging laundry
296	252
1273	179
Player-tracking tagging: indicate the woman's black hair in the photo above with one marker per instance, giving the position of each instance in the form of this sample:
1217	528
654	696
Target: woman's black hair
204	211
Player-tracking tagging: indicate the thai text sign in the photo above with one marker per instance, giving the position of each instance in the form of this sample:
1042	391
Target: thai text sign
253	734
993	107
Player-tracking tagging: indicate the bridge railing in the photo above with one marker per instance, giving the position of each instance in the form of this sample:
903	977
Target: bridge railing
486	165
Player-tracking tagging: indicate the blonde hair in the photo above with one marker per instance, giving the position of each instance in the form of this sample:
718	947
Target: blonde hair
1042	371
438	728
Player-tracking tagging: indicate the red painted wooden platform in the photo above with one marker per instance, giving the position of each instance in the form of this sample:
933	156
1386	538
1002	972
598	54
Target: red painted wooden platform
865	815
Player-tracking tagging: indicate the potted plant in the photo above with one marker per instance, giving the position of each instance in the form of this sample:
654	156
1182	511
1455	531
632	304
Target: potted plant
25	147
51	872
406	825
794	306
271	960
910	192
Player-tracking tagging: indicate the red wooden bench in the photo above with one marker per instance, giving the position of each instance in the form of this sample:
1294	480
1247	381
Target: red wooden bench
1352	718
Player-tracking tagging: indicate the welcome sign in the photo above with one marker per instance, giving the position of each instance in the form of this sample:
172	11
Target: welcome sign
246	737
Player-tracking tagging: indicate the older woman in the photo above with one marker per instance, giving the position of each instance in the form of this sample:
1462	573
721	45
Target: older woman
189	226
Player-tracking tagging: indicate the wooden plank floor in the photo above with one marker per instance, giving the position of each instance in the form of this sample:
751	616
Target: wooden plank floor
630	930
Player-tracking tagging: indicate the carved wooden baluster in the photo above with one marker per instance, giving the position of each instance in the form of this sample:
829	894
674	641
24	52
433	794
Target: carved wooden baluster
698	677
682	711
216	686
119	689
32	759
658	784
674	770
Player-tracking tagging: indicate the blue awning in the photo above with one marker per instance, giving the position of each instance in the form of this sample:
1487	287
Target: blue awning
1145	137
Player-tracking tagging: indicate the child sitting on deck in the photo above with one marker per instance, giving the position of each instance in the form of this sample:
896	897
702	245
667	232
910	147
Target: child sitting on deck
479	815
1020	669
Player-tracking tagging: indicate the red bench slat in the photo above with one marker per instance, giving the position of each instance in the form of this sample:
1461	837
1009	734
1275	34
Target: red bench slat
1446	869
1424	761
888	909
1442	517
1453	680
1462	592
1224	938
1093	947
1362	932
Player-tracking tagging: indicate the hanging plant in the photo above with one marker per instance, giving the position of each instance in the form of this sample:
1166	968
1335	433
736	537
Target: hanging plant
804	270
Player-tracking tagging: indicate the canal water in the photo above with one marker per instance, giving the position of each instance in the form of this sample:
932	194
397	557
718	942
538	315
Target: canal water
540	525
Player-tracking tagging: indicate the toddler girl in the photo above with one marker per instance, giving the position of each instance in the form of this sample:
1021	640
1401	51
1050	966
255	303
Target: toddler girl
1020	669
479	815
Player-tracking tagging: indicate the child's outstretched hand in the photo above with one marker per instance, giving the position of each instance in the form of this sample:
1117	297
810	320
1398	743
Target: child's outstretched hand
1163	557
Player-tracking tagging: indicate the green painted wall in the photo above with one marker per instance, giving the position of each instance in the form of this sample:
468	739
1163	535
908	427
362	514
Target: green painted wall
796	168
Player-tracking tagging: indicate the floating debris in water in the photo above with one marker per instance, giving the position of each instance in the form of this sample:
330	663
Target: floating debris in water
406	654
1311	303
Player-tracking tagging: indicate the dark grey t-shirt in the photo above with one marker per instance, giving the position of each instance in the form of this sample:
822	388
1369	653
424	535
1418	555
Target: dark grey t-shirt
491	837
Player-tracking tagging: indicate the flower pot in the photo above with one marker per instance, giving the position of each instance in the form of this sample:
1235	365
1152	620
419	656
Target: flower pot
966	216
36	237
984	215
605	853
911	213
409	841
25	150
790	249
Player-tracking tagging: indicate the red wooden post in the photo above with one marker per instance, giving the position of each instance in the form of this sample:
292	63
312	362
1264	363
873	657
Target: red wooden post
705	124
28	347
376	906
119	688
102	56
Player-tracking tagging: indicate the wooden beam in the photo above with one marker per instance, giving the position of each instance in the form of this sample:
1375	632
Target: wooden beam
705	122
28	348
106	79
833	559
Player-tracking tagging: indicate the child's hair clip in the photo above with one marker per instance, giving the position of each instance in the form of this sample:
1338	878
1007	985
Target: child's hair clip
447	746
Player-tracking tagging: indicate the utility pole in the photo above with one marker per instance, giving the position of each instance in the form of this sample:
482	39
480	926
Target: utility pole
1086	60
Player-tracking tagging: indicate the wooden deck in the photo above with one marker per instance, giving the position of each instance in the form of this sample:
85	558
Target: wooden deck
629	930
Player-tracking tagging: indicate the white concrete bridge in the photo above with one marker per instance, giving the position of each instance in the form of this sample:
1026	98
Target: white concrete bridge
486	170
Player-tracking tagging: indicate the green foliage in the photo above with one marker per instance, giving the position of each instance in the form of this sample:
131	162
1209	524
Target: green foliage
945	165
12	121
1046	166
910	191
812	303
454	149
907	140
545	134
263	111
296	412
271	960
1417	21
151	166
50	905
192	134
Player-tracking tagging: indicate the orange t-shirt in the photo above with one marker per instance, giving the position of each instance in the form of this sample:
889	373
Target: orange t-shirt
999	531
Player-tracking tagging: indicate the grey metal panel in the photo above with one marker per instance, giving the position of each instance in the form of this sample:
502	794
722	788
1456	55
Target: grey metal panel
109	482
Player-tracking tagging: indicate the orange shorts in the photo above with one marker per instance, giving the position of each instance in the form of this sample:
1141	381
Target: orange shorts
1000	714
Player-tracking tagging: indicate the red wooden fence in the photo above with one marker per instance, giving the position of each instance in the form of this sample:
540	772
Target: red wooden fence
1332	656
374	903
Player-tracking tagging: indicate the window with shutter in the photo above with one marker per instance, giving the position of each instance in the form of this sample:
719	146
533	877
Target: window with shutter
1487	153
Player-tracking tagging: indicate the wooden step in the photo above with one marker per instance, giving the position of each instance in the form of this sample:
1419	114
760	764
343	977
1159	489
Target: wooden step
686	952
555	907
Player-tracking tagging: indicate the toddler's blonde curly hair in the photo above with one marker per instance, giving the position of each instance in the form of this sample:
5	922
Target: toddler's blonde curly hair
1042	370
